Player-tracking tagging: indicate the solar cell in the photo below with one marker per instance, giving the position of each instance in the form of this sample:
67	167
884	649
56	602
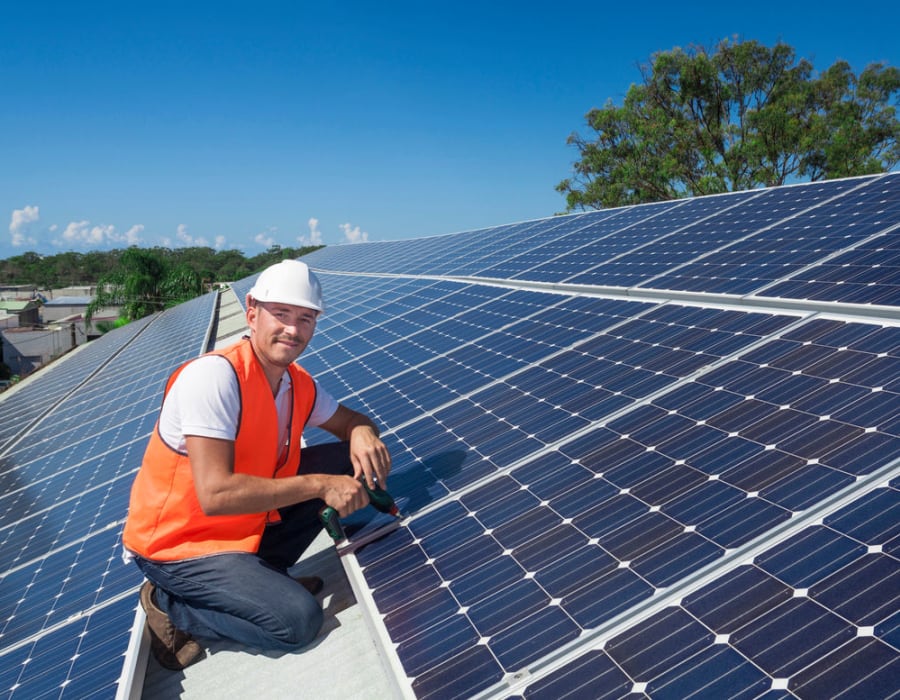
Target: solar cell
768	470
32	399
660	548
727	459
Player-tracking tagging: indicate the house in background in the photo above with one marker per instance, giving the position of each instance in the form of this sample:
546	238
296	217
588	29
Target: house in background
28	349
27	311
63	307
17	292
66	307
43	332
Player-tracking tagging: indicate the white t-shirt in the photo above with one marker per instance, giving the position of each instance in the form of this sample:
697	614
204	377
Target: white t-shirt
205	401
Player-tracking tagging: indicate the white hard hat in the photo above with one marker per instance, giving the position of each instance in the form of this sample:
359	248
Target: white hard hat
289	282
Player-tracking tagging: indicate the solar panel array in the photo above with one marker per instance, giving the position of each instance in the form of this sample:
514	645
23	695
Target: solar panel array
651	450
72	439
632	462
58	379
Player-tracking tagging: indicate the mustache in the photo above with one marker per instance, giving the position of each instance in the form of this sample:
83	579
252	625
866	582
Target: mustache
289	338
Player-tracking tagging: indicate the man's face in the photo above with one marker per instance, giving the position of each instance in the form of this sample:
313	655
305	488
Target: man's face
280	331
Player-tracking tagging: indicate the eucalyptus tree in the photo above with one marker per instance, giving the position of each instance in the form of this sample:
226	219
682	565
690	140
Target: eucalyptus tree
737	117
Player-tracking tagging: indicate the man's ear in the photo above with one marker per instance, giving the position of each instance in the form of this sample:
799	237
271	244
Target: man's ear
252	310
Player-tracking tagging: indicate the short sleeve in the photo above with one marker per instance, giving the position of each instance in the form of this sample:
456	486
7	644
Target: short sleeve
324	407
204	400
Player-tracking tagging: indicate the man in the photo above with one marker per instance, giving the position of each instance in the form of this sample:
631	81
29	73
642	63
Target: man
219	508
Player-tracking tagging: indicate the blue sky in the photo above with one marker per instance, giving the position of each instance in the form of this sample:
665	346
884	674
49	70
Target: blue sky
247	124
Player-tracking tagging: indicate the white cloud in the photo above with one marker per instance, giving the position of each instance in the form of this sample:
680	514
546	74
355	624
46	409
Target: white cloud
352	234
83	233
264	239
18	225
220	243
315	235
187	239
133	235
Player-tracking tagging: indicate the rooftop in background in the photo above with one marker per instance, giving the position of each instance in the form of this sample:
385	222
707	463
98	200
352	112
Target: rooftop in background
69	301
16	305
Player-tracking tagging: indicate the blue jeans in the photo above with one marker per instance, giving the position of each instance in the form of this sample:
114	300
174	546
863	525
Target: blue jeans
250	598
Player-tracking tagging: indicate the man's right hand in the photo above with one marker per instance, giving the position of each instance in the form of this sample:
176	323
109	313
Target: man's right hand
345	494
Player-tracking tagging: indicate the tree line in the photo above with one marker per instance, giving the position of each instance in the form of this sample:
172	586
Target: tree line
140	281
70	269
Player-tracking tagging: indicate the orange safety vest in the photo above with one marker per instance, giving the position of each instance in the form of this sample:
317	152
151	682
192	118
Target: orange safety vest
165	521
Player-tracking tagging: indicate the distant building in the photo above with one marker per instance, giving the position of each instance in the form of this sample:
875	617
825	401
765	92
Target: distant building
33	334
28	349
83	290
28	311
63	307
8	320
17	292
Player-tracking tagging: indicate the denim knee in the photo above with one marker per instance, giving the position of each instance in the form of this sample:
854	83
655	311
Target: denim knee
300	622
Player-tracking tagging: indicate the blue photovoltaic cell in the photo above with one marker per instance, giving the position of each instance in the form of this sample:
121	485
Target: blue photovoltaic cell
599	519
736	243
648	507
35	398
867	273
693	510
592	237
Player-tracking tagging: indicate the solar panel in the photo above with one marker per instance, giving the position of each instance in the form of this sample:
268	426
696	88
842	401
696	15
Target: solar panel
633	446
811	616
67	600
627	509
800	246
34	398
687	435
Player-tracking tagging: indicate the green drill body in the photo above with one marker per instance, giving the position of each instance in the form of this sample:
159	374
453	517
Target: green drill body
379	498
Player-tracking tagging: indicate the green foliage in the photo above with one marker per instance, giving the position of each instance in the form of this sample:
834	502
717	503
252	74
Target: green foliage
141	281
741	116
71	269
136	285
150	280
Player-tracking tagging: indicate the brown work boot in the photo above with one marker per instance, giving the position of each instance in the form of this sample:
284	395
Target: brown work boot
171	647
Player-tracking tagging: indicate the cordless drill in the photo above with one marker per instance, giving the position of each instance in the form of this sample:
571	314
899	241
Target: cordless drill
379	498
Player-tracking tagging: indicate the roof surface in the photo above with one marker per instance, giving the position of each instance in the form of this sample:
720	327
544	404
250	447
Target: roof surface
68	301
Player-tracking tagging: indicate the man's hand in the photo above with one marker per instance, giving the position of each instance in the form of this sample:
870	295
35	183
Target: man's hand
344	493
368	454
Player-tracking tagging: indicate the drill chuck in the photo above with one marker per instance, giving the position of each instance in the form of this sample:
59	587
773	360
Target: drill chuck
381	500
